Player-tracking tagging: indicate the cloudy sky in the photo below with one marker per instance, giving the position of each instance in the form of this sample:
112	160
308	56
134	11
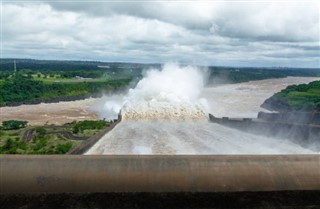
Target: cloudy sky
228	33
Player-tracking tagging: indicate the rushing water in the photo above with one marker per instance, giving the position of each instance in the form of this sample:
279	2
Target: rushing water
167	113
168	137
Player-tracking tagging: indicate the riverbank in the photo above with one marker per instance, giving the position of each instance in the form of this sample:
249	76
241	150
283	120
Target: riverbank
243	100
231	100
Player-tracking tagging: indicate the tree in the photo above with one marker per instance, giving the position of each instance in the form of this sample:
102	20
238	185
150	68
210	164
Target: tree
14	124
75	129
41	131
63	148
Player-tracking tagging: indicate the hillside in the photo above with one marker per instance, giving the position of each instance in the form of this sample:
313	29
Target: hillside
304	97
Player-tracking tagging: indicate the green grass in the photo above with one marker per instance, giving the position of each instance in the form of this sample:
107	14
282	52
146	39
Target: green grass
56	79
75	80
21	89
6	134
90	132
304	97
11	143
43	143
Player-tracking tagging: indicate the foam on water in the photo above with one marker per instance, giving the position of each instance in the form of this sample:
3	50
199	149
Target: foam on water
165	114
169	137
171	93
162	111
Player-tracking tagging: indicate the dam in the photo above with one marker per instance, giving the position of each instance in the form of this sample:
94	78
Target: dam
166	119
233	181
189	138
169	163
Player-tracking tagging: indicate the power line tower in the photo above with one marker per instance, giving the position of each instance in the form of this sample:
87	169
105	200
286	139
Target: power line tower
14	66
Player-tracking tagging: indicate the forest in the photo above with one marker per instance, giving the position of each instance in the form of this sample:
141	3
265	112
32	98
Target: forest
20	89
35	81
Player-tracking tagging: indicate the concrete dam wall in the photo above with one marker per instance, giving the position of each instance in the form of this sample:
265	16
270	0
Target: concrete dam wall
82	148
302	133
150	181
292	117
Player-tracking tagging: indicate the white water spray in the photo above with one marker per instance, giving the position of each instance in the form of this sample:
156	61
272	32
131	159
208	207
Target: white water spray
168	94
161	116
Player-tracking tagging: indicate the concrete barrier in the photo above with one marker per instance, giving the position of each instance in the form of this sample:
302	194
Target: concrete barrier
289	117
85	146
302	133
230	173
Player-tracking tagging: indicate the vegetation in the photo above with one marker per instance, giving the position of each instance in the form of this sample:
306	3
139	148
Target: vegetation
13	124
70	69
12	146
304	97
81	126
38	145
41	131
20	89
237	75
38	81
47	139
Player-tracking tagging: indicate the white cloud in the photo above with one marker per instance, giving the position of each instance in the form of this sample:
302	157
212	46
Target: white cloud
197	32
281	21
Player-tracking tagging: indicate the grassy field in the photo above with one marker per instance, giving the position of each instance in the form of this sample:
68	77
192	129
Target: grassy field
304	97
48	139
11	142
58	79
22	89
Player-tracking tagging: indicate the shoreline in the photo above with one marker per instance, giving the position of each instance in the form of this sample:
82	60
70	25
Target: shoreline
53	100
221	103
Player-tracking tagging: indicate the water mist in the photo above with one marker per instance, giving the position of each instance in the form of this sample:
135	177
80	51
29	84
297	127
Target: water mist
165	114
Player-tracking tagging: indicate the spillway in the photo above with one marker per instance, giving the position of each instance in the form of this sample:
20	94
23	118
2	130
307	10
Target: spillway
168	137
158	122
188	164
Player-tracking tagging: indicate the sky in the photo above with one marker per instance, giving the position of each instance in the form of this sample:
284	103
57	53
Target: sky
216	33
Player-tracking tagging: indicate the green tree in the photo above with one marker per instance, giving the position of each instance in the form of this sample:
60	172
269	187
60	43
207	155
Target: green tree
41	131
9	147
14	124
63	148
75	129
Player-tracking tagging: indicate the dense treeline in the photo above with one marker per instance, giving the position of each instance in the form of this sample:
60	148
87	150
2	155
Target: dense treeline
23	89
236	75
68	69
89	69
88	124
50	81
304	97
13	124
60	65
7	64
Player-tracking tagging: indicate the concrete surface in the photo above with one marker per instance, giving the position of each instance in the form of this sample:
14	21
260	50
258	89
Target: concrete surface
149	173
